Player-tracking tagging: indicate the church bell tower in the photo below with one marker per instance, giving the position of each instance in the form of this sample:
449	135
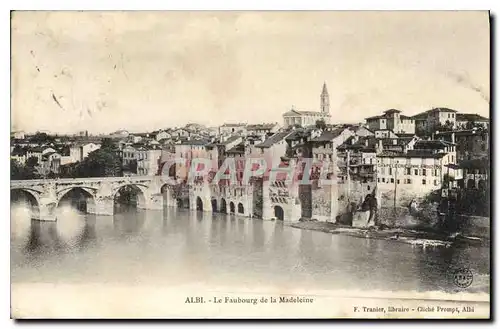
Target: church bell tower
325	100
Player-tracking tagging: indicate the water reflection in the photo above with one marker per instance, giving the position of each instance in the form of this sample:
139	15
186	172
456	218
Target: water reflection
179	245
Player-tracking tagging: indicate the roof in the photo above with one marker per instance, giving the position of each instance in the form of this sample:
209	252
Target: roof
238	149
392	111
261	126
431	144
403	135
233	125
410	154
328	136
230	140
441	109
471	117
376	117
465	132
273	139
195	142
360	144
420	116
301	112
298	133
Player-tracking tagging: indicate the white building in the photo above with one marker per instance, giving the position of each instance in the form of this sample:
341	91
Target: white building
309	118
262	129
392	120
80	151
416	173
272	149
233	128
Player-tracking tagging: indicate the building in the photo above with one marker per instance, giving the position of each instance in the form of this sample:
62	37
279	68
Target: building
359	153
324	145
309	118
272	149
50	163
262	129
471	144
398	144
79	151
148	160
233	128
469	121
402	177
385	133
161	134
434	120
119	134
392	120
18	134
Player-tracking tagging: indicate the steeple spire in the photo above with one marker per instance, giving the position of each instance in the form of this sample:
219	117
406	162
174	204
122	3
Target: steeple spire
325	100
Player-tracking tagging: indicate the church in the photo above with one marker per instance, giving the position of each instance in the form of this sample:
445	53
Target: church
309	118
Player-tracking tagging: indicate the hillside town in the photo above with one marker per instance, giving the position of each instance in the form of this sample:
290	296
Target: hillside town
405	158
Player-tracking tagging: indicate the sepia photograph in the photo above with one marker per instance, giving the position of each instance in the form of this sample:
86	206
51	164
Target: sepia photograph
250	165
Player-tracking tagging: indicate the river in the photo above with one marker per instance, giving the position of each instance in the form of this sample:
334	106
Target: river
178	247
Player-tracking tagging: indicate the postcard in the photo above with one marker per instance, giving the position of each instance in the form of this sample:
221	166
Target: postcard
250	165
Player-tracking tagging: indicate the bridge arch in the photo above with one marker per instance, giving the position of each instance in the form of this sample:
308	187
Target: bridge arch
130	194
30	197
279	213
79	197
223	206
214	205
199	204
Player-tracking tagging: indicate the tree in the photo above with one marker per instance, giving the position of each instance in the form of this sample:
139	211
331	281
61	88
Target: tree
320	124
42	138
28	171
131	166
103	162
472	124
448	126
16	170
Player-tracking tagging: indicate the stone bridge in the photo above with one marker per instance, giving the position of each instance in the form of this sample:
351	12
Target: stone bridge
154	192
46	194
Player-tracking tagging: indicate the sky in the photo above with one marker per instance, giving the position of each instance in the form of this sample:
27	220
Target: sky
140	71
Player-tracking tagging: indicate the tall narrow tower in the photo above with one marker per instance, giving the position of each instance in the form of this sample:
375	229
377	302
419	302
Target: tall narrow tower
325	100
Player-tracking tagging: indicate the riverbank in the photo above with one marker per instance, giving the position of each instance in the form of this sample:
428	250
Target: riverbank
424	238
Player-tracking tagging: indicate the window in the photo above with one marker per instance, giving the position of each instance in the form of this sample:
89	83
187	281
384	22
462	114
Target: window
397	181
409	181
390	171
452	158
424	172
423	182
383	179
378	180
408	171
483	147
435	182
416	172
368	187
392	180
